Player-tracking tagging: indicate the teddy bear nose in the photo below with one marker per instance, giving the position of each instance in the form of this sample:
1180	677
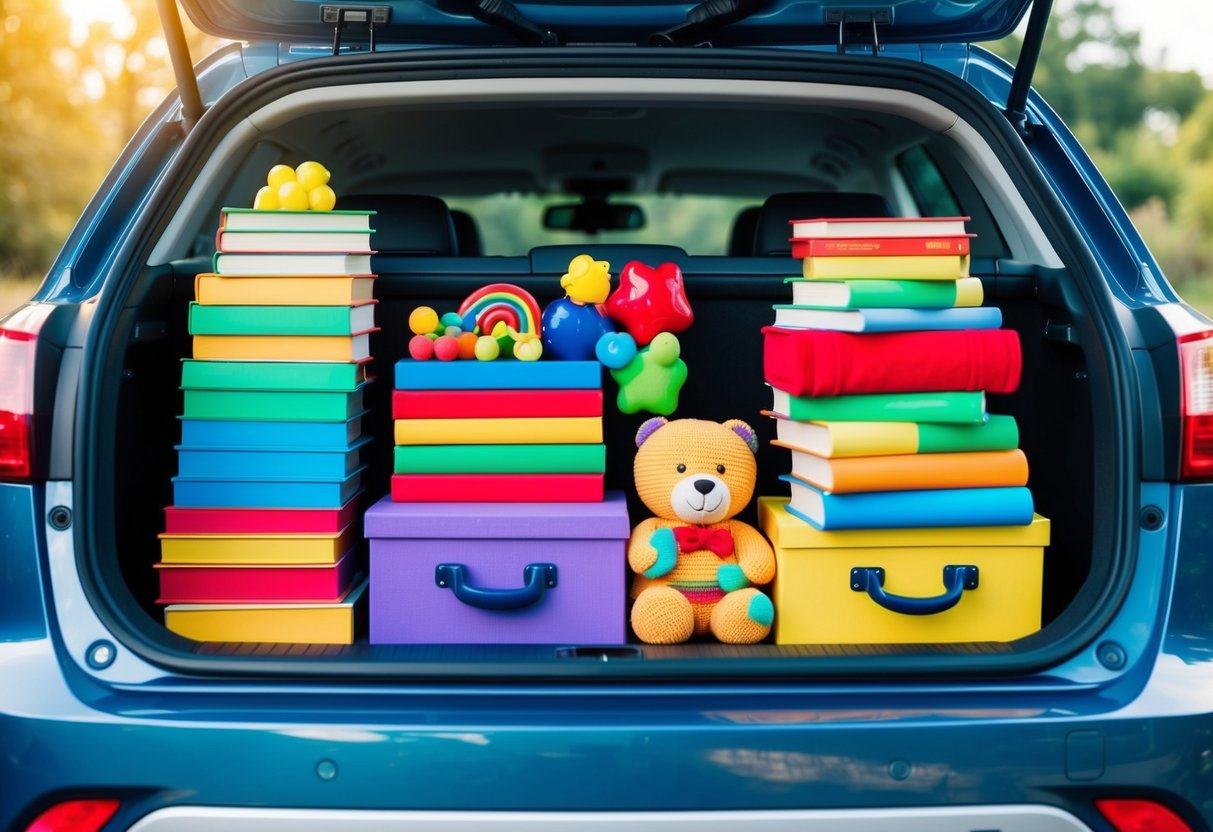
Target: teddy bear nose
704	486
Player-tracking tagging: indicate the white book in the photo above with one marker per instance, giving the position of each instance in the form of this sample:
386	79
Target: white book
250	219
879	227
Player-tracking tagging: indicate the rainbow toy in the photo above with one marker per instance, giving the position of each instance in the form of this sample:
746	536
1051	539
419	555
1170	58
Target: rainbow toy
502	303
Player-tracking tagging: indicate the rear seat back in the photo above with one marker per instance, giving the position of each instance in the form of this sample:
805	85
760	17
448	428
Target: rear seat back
771	236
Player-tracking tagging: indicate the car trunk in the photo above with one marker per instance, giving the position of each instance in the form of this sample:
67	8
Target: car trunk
359	111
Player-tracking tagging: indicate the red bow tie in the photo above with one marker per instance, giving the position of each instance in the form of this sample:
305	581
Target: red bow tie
694	538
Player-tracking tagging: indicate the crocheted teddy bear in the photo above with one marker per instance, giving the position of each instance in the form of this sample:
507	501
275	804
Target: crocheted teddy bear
695	565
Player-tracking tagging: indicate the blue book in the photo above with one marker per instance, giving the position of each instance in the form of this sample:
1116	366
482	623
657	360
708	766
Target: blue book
284	492
1009	506
505	374
237	463
887	320
231	433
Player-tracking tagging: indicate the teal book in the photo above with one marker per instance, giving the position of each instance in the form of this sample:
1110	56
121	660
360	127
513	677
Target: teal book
272	375
281	320
273	405
887	320
1001	506
962	406
500	459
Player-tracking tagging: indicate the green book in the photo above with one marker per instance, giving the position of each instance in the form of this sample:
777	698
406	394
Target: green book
958	406
500	459
998	433
886	294
281	320
271	375
273	405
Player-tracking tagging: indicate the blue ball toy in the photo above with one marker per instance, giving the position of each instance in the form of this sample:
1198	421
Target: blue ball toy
570	330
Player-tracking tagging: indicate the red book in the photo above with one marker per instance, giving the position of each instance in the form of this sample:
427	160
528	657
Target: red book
878	246
819	362
497	488
179	520
501	404
244	584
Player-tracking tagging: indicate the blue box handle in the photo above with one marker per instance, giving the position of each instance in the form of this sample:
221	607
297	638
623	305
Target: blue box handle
537	578
956	579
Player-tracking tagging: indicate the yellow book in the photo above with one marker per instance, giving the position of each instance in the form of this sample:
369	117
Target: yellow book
218	290
283	347
269	623
257	548
896	267
512	431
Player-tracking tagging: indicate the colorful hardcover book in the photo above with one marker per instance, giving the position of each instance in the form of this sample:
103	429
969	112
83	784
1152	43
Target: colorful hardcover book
820	362
236	463
283	347
911	472
331	376
497	375
267	263
261	548
486	404
180	520
558	430
250	219
964	407
281	320
497	488
198	492
887	246
188	583
215	289
887	320
886	294
274	405
879	227
235	239
500	459
908	267
1010	506
236	433
850	439
276	623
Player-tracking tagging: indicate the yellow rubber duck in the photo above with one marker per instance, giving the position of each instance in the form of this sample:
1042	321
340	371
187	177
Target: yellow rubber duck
588	281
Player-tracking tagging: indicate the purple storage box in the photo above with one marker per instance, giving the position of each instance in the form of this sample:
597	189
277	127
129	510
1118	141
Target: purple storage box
498	573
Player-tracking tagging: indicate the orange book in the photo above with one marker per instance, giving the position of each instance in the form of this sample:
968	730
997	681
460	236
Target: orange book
912	472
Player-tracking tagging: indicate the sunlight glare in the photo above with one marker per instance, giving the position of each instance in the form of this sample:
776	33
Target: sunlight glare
113	13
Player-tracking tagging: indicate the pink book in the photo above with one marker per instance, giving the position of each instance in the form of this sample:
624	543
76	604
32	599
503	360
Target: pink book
179	520
242	584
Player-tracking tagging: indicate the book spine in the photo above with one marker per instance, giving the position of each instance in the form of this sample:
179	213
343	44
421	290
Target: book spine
1010	506
271	624
279	320
325	376
500	459
280	348
260	494
956	407
943	267
255	583
486	404
216	290
811	362
915	472
998	433
271	406
235	464
497	375
178	520
240	433
264	549
497	488
560	430
886	246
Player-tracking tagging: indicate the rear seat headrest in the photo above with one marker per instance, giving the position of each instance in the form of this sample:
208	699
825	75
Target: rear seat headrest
773	231
741	241
467	234
407	223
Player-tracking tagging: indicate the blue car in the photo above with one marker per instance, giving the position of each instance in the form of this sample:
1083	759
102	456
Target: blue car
206	615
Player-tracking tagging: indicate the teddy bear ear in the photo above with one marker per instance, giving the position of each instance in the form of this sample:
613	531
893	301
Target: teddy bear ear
650	427
745	432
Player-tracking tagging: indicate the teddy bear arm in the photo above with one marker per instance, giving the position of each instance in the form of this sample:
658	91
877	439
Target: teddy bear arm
641	552
754	554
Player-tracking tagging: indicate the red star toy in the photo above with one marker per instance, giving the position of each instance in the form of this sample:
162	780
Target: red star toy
649	301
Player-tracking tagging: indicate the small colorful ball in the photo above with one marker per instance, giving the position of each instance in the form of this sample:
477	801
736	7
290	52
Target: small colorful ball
453	331
451	319
312	175
487	348
421	348
321	198
467	344
279	175
423	320
446	348
292	196
528	349
266	199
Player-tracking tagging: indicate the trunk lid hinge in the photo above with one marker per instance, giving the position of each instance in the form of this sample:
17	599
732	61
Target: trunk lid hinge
854	23
339	16
192	107
1025	68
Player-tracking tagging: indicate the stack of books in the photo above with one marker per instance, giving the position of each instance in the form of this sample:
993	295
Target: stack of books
498	431
263	541
879	370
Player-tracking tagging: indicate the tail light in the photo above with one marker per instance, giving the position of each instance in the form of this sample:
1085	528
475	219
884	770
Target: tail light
1196	353
1140	816
18	351
75	816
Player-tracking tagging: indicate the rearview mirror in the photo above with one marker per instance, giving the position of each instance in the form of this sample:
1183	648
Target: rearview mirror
594	216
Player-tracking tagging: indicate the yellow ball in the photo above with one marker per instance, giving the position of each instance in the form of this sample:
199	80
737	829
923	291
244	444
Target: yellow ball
321	198
279	175
423	320
292	196
266	199
312	175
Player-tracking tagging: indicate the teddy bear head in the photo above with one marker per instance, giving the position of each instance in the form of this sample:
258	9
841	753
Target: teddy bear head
695	470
